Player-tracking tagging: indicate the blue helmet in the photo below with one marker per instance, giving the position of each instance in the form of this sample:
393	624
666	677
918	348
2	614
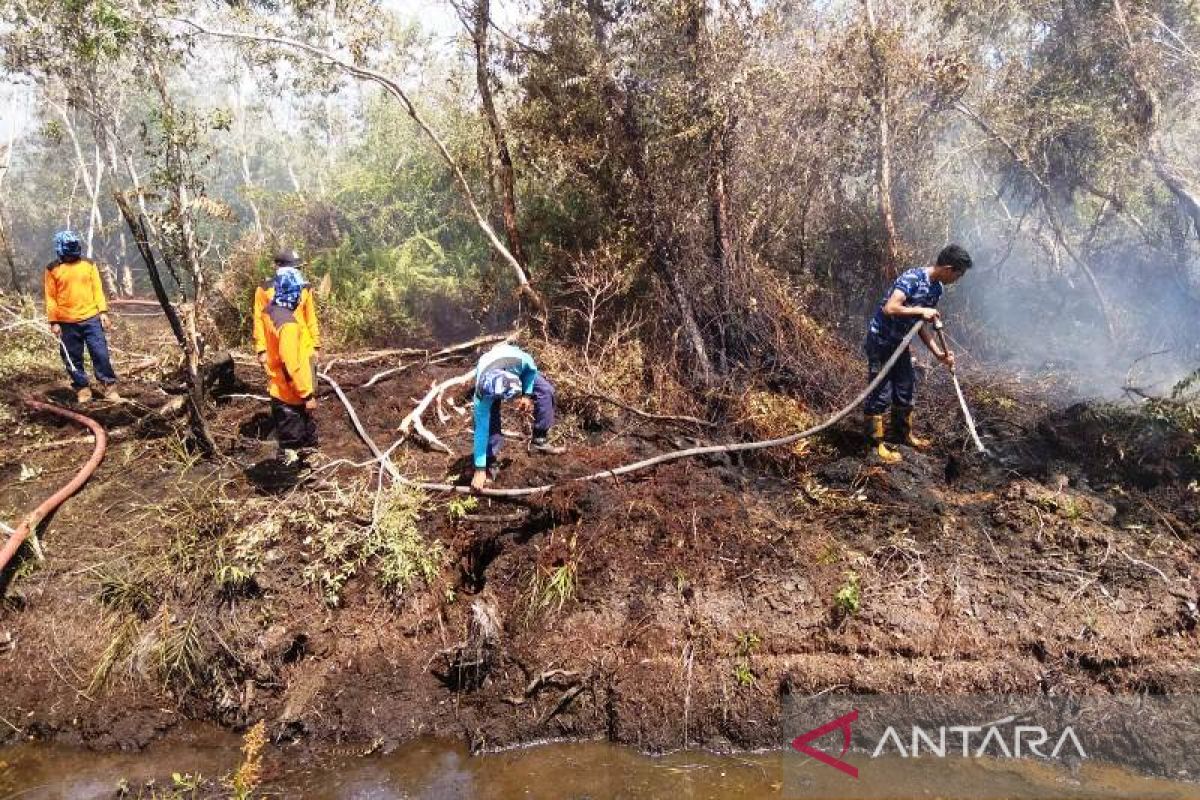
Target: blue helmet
67	246
500	384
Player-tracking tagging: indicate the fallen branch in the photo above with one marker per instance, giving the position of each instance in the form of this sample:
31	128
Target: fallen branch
413	421
563	701
387	373
495	519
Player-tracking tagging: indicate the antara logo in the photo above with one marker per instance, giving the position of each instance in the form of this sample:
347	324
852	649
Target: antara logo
800	743
1026	740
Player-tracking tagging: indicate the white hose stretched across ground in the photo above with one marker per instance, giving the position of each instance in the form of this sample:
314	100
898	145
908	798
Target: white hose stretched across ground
636	466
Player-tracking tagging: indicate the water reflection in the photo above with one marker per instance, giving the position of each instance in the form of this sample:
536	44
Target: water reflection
433	770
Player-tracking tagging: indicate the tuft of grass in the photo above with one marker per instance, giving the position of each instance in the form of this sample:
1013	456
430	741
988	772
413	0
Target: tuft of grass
554	586
181	452
173	652
122	592
460	506
119	647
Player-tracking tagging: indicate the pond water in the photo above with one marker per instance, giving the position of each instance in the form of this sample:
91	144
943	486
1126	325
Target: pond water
435	770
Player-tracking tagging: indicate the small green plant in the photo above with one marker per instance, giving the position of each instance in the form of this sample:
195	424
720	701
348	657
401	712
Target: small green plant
747	642
181	452
173	651
743	675
233	580
830	553
681	581
848	599
119	646
560	587
554	585
186	782
460	506
1071	509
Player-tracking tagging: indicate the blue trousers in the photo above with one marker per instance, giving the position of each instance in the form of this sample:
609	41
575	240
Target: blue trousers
543	415
90	334
900	385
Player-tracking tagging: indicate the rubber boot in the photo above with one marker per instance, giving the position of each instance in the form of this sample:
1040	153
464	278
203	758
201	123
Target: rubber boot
874	432
902	420
541	444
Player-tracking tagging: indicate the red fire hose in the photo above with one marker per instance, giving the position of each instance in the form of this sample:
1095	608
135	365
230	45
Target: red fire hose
35	517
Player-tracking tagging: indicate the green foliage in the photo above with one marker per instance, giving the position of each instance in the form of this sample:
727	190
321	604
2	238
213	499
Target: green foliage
747	642
175	652
393	543
460	506
743	674
380	293
848	598
402	554
553	586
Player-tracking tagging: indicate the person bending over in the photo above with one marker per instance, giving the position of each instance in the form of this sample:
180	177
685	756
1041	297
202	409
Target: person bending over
509	373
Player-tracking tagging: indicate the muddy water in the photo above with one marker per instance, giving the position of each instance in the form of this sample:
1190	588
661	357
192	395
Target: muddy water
435	771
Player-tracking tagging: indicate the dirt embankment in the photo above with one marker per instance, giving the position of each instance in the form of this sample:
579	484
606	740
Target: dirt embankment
664	610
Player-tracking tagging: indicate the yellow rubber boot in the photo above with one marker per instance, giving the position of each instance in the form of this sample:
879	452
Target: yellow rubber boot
903	422
874	432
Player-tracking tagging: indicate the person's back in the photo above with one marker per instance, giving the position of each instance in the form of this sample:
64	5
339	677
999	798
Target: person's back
504	373
289	352
288	361
306	308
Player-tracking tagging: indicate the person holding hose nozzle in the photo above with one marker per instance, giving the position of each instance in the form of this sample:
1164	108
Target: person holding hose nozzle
508	373
914	296
78	315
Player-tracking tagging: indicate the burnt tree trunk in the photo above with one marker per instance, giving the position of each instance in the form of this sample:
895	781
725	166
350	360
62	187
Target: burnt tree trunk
663	242
883	171
505	174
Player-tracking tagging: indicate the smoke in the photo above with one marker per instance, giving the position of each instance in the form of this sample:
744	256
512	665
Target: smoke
1030	308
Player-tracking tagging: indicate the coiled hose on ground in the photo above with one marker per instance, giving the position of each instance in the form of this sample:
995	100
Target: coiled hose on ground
34	518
